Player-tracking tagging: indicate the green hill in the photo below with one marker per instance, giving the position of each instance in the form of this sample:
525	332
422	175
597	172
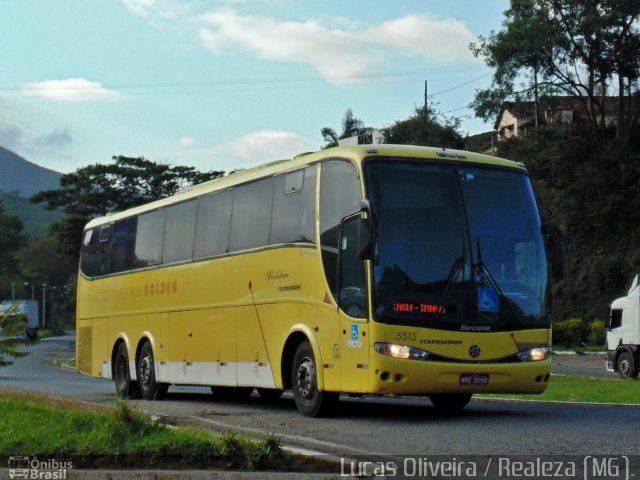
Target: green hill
21	177
35	217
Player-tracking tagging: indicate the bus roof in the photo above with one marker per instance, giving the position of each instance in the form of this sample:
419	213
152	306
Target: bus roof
355	153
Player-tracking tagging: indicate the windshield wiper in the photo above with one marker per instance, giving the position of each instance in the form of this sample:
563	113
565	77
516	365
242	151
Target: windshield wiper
487	278
454	273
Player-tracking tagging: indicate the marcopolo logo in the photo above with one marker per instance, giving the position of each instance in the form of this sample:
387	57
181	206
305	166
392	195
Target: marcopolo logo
33	468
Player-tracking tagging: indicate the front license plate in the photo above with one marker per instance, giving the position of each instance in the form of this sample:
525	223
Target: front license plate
474	379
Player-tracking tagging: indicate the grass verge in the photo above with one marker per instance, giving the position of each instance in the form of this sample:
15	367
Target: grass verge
124	437
582	389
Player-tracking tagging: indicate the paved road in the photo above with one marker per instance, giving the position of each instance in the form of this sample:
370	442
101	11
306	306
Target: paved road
368	426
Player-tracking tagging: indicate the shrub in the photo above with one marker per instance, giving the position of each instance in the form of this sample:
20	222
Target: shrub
597	333
570	333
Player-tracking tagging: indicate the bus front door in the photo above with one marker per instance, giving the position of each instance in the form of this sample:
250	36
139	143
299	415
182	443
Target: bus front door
353	301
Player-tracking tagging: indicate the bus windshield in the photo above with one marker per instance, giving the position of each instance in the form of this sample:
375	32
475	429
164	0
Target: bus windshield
456	247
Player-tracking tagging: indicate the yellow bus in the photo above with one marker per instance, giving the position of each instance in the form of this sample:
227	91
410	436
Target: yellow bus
373	270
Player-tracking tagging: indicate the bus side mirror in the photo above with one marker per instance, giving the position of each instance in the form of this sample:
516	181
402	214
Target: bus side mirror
365	245
364	239
555	250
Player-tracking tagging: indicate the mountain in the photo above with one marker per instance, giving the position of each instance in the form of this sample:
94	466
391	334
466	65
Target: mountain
34	217
23	178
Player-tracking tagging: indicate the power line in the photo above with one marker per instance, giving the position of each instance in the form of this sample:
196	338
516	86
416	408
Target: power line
462	84
244	82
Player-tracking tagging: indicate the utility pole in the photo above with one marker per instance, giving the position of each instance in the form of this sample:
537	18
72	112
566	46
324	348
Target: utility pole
44	303
426	101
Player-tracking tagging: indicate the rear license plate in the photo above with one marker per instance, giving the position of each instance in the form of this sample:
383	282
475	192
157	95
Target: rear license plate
474	379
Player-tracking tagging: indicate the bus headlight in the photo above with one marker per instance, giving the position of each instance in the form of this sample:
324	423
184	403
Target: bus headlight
535	354
401	351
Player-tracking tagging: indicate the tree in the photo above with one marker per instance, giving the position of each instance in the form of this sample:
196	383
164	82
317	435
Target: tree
351	127
423	128
520	50
551	47
11	239
98	189
12	324
41	261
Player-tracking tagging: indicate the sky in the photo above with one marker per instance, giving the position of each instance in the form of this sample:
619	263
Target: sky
225	84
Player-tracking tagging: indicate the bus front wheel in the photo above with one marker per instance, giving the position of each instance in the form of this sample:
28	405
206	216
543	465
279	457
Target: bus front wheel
450	402
626	365
310	401
150	389
125	387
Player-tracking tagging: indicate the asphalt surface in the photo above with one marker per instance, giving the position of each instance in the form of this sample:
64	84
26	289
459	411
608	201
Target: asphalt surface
370	425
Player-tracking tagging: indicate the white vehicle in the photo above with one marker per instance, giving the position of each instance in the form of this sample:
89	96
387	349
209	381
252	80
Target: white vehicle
623	333
30	310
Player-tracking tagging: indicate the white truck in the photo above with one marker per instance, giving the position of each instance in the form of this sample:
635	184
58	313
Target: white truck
623	333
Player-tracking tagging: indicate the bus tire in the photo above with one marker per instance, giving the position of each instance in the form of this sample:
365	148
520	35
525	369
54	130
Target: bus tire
450	402
270	393
626	364
125	387
310	401
150	389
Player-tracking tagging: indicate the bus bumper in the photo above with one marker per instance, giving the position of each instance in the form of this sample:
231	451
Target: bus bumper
414	377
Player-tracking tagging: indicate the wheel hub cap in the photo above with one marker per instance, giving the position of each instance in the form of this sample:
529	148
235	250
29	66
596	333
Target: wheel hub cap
145	370
305	377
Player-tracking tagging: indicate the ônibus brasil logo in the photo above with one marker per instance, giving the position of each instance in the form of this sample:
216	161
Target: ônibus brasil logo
33	468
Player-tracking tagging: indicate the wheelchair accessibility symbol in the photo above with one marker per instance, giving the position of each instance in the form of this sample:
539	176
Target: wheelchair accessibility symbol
488	300
354	331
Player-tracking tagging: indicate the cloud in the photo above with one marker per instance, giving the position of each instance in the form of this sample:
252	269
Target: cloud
157	10
339	49
266	145
11	136
187	141
446	40
340	54
336	54
249	150
143	8
57	138
34	145
71	90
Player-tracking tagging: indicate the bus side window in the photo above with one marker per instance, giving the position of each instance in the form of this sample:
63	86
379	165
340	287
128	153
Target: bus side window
251	215
213	224
339	197
150	238
294	216
94	258
179	231
123	243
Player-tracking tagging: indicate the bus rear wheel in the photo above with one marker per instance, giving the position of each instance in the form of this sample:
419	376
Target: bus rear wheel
150	389
450	402
125	387
310	401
